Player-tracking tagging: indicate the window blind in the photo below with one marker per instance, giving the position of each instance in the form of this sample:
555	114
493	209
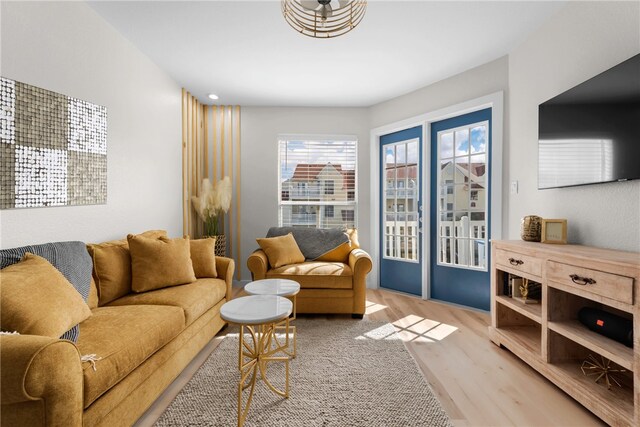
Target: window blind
317	182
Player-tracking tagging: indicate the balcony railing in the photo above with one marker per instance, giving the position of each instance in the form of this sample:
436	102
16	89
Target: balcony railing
303	219
409	193
304	193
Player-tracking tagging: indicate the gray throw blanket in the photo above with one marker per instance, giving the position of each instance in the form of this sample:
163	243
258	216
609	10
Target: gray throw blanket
70	258
313	242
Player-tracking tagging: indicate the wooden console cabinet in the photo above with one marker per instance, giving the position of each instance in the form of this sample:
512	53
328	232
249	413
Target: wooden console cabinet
548	335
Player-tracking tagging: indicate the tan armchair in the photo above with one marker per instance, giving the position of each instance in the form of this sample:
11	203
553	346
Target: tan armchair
325	287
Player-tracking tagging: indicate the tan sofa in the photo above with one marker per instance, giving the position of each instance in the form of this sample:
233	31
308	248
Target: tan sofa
144	341
325	287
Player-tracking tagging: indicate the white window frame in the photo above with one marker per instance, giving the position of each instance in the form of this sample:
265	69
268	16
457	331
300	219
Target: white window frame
350	203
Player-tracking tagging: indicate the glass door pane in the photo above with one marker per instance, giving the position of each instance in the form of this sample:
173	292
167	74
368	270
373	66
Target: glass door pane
401	188
462	205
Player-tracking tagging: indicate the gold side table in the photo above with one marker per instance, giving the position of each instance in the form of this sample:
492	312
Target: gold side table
259	315
283	288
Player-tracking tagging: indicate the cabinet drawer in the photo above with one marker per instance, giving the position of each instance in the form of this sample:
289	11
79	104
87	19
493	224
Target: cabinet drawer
619	288
519	262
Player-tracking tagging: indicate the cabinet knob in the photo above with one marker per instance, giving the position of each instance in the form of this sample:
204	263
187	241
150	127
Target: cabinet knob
515	262
578	280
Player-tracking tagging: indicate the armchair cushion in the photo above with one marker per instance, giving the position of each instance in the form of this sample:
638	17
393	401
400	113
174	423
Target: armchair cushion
316	243
316	274
281	250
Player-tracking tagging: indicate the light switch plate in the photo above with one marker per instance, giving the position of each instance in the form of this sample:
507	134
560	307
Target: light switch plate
514	187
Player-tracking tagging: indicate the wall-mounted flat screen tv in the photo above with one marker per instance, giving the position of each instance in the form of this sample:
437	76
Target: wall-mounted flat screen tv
591	133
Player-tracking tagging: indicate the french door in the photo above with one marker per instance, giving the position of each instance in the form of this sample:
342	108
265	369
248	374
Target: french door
400	211
460	209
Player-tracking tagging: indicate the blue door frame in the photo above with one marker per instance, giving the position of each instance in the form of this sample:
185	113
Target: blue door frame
401	275
464	286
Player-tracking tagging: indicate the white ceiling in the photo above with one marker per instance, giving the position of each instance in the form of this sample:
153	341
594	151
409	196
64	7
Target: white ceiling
245	52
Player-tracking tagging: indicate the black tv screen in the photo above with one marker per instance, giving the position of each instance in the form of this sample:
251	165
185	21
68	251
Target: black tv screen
591	133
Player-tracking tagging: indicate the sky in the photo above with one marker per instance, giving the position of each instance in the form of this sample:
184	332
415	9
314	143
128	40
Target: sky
478	142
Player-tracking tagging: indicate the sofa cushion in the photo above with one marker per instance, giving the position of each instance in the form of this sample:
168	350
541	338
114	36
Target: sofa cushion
159	263
123	337
281	250
36	299
70	258
92	299
111	271
112	266
194	298
203	257
316	275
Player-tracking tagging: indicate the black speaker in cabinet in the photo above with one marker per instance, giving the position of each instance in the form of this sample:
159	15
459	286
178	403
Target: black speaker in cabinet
608	324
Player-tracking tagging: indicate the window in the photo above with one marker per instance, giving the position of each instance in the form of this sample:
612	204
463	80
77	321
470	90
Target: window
348	215
329	187
317	180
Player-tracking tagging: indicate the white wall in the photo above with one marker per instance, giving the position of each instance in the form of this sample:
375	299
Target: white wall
260	128
483	80
582	40
67	48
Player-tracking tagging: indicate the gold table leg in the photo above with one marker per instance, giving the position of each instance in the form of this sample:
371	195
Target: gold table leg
289	330
253	358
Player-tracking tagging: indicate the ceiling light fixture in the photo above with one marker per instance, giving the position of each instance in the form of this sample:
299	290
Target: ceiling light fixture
213	96
323	19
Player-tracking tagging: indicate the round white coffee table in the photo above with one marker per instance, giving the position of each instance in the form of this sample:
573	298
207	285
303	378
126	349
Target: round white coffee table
259	314
282	288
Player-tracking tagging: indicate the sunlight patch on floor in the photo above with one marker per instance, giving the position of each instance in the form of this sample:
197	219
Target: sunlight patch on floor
381	333
418	329
372	307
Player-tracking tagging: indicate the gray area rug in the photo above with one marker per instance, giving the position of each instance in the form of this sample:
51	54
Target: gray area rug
347	373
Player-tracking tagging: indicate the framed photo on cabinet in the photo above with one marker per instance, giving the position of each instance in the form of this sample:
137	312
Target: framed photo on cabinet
554	231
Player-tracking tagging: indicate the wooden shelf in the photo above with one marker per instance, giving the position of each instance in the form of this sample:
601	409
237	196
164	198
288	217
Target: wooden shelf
528	337
548	336
613	350
615	406
532	311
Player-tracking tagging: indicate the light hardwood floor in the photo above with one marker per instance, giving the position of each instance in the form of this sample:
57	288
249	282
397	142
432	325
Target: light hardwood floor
478	383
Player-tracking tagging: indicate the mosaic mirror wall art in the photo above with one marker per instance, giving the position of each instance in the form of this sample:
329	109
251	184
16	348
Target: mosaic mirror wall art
53	148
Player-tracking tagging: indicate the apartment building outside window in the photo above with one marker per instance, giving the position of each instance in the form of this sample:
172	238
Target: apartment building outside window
317	181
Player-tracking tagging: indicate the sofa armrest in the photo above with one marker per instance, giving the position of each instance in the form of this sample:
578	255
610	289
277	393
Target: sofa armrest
226	267
258	264
41	368
361	264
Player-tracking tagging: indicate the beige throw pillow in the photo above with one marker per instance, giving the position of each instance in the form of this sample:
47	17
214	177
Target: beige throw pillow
203	257
36	299
159	263
281	250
